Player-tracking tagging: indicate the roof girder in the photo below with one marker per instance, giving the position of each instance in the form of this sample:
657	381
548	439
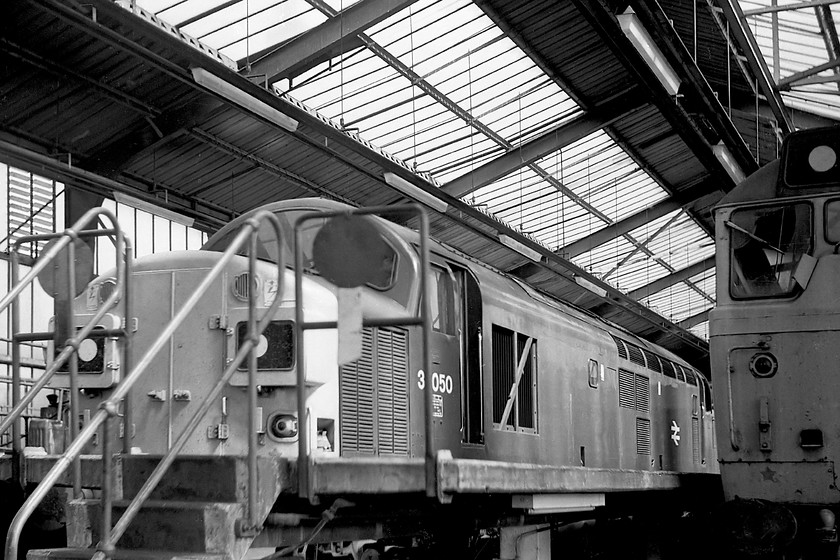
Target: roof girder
323	41
529	152
746	41
672	279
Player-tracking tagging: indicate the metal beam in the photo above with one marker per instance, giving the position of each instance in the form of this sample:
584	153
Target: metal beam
672	279
660	28
97	184
529	152
794	79
628	224
829	33
695	320
790	7
605	24
747	43
312	44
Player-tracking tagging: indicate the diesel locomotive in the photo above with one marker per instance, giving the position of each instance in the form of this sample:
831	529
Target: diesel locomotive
774	347
530	396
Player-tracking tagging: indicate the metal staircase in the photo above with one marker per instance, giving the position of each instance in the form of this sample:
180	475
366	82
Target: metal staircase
150	507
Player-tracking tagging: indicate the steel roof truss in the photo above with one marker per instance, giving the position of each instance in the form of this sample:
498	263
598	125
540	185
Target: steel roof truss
312	45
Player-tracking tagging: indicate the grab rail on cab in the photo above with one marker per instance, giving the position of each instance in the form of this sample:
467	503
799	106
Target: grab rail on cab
353	278
108	409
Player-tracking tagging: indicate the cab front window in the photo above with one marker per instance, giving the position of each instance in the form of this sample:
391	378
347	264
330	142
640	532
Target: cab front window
767	243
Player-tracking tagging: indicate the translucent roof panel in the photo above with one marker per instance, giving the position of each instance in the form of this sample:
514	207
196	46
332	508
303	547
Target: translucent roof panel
801	47
441	87
434	88
682	301
238	29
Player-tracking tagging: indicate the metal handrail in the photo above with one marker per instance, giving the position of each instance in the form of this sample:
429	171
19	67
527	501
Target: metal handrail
65	239
109	407
423	320
255	329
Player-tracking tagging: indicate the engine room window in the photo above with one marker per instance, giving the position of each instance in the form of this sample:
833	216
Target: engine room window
514	380
766	245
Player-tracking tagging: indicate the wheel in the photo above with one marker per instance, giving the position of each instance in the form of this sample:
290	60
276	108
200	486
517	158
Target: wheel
370	553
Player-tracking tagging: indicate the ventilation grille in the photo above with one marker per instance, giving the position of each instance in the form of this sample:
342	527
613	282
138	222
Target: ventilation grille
356	403
635	354
695	440
374	396
626	389
619	345
642	436
242	286
392	390
653	361
669	369
690	376
642	394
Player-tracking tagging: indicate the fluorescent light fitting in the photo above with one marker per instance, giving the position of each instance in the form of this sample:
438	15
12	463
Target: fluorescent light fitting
642	41
415	192
243	99
591	286
728	162
140	204
519	247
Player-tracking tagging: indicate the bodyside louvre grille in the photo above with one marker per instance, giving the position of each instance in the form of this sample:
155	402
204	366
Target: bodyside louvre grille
619	345
652	361
392	391
642	436
635	354
356	403
642	393
695	440
626	390
374	396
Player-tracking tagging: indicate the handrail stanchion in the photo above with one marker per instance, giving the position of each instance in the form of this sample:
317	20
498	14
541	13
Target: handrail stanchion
128	345
106	545
74	360
426	315
18	466
253	336
300	373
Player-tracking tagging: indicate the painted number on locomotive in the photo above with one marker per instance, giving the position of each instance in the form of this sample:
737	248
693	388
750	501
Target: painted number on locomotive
441	383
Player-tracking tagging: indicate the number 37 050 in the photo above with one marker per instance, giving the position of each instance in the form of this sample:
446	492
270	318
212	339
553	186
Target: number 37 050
441	383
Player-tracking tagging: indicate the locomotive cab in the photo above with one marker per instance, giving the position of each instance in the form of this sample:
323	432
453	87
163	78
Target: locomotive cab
776	328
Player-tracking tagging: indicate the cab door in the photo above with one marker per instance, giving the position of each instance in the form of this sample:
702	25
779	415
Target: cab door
444	379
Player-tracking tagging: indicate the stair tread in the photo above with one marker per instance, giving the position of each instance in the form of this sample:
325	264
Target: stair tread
120	554
157	503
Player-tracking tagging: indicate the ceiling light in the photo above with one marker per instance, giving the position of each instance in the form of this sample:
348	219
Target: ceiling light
520	247
725	158
153	209
413	191
243	99
641	40
591	286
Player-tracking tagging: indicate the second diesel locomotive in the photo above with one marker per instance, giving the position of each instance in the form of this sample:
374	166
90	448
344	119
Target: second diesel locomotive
568	403
774	345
